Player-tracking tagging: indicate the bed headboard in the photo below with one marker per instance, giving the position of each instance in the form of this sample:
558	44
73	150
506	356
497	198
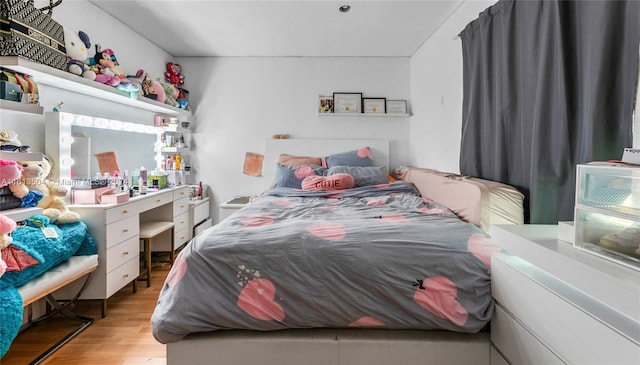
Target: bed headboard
319	148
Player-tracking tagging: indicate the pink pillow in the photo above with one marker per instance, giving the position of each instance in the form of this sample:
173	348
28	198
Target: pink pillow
332	182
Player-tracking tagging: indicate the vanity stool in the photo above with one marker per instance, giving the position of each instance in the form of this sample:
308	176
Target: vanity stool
149	231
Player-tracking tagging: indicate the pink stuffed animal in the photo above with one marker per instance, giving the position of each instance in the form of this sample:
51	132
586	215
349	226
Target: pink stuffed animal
7	226
10	171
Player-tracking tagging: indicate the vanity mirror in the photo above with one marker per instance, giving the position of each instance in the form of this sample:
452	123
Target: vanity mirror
73	141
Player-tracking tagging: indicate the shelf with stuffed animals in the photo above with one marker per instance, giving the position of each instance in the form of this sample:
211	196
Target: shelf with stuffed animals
47	75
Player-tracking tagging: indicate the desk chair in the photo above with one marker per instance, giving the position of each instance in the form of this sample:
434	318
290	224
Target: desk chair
149	231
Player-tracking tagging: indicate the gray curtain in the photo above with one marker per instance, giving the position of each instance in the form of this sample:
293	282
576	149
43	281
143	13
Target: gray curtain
547	85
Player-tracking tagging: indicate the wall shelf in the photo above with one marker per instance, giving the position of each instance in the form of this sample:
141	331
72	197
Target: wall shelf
16	106
20	156
47	75
363	115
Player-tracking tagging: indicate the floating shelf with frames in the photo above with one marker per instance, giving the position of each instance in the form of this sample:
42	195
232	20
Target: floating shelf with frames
46	75
364	115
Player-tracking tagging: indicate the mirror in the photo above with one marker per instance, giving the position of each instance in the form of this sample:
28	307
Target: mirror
73	140
132	150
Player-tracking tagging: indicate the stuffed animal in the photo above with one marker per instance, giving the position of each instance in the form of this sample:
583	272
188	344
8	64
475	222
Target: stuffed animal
7	226
10	171
34	178
106	64
171	94
76	45
173	74
145	84
158	90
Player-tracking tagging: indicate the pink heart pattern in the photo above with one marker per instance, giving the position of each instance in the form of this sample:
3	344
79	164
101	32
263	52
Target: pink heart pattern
367	321
327	231
439	297
178	270
303	171
257	221
281	202
482	248
363	153
257	300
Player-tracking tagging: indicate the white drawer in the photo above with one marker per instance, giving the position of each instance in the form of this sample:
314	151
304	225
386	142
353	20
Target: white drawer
516	343
202	226
122	230
122	211
181	237
123	252
155	200
200	212
181	192
181	222
561	317
180	206
122	275
496	358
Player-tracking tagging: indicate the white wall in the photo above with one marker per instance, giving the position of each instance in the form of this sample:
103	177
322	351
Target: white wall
133	53
241	101
436	93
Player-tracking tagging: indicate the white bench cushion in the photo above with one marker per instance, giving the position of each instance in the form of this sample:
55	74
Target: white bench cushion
74	268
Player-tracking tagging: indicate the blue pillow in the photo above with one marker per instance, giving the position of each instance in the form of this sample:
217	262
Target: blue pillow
363	175
292	176
359	157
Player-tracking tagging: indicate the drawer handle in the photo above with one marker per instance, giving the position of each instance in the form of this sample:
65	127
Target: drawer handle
125	211
125	253
158	200
125	276
181	222
125	230
182	237
182	206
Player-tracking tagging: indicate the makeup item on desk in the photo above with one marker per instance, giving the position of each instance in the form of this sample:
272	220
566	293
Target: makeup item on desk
177	159
142	182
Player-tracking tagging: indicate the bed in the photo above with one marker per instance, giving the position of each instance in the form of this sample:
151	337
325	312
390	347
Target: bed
375	273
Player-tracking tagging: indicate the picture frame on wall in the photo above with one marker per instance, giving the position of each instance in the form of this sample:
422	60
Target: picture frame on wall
325	104
374	105
396	106
347	102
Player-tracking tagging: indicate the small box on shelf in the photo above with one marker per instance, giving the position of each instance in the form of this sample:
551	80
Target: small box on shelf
10	91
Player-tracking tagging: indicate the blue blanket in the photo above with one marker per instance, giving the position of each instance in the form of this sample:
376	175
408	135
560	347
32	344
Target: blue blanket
72	239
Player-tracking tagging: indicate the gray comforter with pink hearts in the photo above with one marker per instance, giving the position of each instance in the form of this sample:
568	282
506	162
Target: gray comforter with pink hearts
375	256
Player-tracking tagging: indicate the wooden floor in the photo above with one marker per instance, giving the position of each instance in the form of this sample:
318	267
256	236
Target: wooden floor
123	337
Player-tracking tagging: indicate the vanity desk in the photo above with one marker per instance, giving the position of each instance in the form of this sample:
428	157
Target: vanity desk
116	227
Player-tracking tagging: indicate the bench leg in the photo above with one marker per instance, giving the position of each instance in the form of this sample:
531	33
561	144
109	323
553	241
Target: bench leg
64	310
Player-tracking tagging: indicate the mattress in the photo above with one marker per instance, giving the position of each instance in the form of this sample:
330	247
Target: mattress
376	256
478	201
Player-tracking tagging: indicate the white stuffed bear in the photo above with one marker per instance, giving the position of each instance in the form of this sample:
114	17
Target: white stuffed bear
77	54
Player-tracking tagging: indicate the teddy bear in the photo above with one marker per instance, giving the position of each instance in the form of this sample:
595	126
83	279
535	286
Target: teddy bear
34	178
76	45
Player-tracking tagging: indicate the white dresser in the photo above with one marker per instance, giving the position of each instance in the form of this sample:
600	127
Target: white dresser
557	304
116	227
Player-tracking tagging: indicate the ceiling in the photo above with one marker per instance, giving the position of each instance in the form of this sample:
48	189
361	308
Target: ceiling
283	28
